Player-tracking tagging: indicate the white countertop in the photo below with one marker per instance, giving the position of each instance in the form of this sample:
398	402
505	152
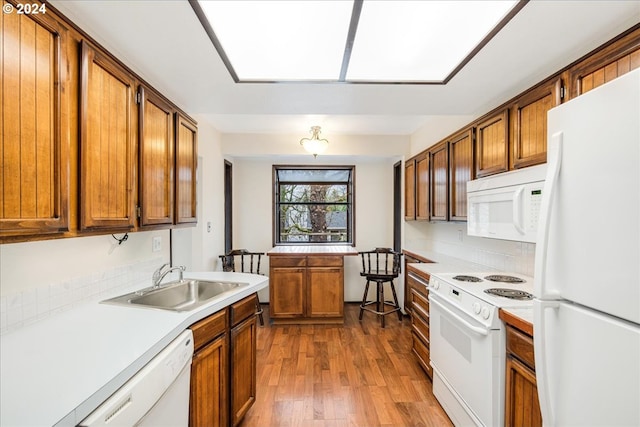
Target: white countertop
57	371
524	313
446	264
313	250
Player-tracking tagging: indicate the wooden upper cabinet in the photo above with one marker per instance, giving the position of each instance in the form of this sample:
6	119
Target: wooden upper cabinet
156	159
492	145
186	165
107	141
461	169
34	150
614	60
422	186
439	186
410	190
530	130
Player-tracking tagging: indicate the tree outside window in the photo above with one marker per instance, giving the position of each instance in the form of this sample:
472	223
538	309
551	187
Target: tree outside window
313	204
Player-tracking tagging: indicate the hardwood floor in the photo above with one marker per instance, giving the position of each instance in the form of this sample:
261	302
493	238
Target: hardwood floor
356	374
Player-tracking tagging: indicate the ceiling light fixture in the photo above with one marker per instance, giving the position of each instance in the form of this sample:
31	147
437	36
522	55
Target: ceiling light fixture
314	145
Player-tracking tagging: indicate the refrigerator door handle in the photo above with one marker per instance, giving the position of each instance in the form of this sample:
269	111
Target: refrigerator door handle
554	161
517	210
541	357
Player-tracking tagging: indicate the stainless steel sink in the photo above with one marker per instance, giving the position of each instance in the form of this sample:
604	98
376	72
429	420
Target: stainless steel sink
184	295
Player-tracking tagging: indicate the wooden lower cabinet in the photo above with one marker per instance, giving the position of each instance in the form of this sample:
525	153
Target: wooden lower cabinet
419	302
325	291
223	370
209	395
522	408
306	289
243	368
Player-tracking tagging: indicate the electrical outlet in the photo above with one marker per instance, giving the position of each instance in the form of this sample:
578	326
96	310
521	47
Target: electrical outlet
156	244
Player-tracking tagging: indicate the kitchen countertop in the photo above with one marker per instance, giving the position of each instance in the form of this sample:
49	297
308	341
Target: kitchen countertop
313	250
521	318
445	263
58	370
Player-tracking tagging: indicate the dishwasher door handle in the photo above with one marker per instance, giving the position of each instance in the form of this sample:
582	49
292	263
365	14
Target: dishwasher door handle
478	330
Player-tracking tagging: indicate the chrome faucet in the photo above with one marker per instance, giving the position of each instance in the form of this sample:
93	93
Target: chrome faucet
159	274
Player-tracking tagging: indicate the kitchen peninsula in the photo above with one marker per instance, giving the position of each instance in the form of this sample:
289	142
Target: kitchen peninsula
306	283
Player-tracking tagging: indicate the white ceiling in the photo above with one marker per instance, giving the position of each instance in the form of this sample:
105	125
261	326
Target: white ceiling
163	41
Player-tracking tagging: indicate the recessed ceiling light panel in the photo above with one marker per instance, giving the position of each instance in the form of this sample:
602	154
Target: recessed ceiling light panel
360	41
281	40
419	40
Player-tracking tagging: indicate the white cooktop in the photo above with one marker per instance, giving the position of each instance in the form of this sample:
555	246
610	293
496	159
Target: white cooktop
477	289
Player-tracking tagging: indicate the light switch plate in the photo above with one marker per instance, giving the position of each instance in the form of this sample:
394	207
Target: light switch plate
156	244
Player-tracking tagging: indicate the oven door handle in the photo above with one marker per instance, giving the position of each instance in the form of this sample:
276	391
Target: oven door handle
476	329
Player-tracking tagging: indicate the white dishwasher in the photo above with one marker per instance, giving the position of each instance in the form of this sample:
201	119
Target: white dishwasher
158	395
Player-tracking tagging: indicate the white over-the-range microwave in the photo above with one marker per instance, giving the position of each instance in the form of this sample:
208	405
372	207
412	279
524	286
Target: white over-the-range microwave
506	206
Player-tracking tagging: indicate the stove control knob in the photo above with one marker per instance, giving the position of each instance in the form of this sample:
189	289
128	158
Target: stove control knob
485	312
476	308
436	285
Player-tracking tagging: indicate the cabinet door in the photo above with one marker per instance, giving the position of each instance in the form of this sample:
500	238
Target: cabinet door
530	130
243	369
186	163
286	291
439	188
208	405
410	190
107	169
34	149
422	187
521	396
325	295
156	159
461	170
492	145
605	65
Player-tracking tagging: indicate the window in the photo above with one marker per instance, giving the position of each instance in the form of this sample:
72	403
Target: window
313	204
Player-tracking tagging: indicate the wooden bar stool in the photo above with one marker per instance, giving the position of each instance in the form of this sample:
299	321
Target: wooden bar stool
249	262
380	265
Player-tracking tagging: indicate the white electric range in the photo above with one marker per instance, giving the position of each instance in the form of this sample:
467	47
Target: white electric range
467	341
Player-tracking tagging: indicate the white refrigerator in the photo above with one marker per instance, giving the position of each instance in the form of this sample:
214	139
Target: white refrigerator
587	266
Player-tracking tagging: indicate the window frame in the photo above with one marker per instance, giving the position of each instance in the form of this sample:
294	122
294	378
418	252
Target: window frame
351	206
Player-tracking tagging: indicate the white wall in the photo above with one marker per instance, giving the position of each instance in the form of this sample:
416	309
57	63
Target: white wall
198	247
436	129
451	239
253	214
373	156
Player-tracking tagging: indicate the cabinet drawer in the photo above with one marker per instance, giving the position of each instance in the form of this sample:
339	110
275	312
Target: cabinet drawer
208	328
243	309
520	345
422	353
420	301
325	261
287	261
415	275
420	327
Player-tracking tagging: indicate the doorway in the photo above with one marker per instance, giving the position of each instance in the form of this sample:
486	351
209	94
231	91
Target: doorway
397	206
228	206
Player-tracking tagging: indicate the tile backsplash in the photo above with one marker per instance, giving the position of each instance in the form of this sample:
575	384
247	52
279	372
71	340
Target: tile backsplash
451	239
21	308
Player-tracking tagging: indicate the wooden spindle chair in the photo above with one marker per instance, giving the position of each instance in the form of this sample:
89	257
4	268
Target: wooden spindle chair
380	265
